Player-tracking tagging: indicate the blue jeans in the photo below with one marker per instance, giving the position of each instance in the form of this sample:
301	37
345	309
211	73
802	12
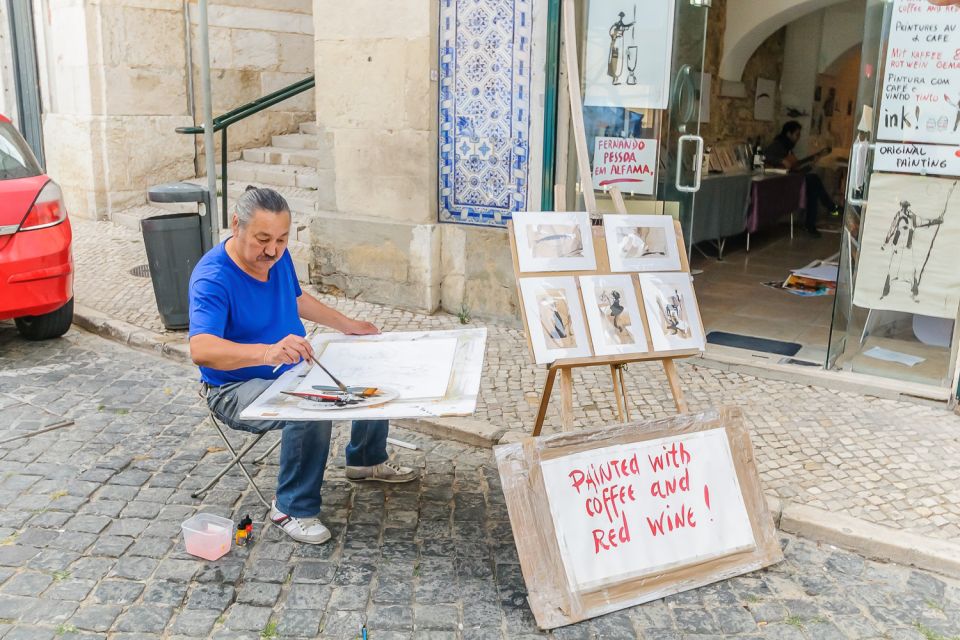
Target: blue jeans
304	446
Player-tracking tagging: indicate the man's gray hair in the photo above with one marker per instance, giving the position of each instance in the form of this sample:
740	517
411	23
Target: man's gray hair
255	199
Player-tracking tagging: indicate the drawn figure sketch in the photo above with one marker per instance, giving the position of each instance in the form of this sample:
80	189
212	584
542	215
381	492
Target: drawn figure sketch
555	241
616	323
642	242
908	244
673	314
555	319
616	55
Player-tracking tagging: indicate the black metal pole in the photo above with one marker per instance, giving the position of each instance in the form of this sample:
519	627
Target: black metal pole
223	175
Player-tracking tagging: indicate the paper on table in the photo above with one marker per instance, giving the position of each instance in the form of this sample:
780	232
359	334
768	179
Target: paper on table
893	356
827	272
412	368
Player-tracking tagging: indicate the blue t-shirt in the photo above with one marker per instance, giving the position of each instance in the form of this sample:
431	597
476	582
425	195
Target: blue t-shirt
228	303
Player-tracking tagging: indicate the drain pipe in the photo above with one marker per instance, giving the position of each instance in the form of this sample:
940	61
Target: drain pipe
191	96
209	150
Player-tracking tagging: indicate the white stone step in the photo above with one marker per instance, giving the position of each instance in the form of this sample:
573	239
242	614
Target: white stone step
279	174
131	217
310	128
302	254
296	141
316	158
301	201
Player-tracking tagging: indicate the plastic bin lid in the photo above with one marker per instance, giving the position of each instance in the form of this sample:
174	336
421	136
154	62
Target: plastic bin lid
177	192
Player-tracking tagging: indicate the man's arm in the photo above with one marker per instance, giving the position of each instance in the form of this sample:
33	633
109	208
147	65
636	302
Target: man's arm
312	309
208	350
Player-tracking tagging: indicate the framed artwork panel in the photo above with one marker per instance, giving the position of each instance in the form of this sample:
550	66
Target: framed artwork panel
613	314
641	243
554	241
672	313
555	319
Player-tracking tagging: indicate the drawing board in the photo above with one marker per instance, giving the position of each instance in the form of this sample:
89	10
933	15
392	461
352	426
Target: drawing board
435	373
555	321
613	315
641	243
672	312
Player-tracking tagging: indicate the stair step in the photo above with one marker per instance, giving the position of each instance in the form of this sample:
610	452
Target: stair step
280	175
316	158
296	141
301	201
131	217
310	128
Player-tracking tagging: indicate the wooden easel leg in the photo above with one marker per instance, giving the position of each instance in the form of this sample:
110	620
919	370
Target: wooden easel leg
566	398
544	401
617	392
623	390
674	379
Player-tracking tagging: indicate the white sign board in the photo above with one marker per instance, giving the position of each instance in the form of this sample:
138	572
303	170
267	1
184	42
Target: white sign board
633	510
627	163
921	86
938	160
629	45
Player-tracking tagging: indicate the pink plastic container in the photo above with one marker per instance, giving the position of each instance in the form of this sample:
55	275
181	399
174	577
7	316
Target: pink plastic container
207	536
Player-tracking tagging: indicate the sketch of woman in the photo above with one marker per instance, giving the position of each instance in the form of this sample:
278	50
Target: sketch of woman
900	241
615	59
616	310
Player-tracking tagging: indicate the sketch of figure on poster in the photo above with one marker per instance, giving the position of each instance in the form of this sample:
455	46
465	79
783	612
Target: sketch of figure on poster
629	46
911	230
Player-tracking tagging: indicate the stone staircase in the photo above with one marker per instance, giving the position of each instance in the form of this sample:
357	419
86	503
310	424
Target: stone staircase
298	165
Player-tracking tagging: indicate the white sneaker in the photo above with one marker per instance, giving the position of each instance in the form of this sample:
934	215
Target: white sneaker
308	530
384	472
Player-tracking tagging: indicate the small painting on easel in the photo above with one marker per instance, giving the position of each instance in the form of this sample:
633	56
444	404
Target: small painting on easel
672	312
616	325
554	242
555	320
641	243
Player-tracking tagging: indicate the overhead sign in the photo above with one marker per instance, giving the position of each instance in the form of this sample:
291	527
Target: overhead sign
921	86
938	160
627	163
613	517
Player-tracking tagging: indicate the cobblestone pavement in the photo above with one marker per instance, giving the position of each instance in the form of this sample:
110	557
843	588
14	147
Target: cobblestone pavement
886	462
90	543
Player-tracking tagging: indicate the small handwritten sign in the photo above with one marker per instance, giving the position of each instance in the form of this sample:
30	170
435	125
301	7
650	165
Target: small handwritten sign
921	85
627	511
937	160
627	163
612	517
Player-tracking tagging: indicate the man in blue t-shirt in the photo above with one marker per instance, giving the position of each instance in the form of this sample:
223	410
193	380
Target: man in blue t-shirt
245	319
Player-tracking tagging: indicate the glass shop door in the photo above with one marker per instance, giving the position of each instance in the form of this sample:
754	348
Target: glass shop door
640	81
897	293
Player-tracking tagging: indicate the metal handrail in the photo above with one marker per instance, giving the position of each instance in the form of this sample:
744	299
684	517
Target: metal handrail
221	122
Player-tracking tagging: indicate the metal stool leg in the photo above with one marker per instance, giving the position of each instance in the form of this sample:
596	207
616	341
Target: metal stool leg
236	461
266	454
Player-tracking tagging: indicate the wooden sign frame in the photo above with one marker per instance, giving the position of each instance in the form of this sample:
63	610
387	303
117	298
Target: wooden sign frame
549	594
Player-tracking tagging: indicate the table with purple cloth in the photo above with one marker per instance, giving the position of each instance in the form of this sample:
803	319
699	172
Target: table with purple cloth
773	196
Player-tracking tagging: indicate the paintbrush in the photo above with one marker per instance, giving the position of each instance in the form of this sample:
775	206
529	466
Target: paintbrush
308	338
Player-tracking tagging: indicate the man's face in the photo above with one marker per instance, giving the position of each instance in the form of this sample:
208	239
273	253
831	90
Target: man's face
793	136
262	241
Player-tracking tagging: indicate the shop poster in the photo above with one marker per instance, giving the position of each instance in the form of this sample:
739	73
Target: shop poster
920	100
908	246
627	163
629	46
927	159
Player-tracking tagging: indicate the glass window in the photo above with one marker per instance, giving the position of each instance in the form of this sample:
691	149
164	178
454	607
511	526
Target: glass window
16	159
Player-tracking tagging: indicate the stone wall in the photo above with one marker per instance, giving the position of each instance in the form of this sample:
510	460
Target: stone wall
377	114
115	88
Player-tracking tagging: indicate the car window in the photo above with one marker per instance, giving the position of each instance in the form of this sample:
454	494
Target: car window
16	159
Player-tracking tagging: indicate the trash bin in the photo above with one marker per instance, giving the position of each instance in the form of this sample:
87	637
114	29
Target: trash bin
173	249
175	243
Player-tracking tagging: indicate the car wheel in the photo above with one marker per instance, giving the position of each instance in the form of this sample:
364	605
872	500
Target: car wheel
48	325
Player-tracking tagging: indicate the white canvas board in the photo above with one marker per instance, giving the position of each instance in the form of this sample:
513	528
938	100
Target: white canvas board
765	100
463	368
672	312
613	314
932	159
413	368
889	355
630	164
629	49
637	509
641	243
920	97
554	241
555	319
908	246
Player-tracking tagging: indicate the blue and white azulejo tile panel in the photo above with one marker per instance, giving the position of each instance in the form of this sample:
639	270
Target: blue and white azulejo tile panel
485	56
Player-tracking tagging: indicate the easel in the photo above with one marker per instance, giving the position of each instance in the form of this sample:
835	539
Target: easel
617	364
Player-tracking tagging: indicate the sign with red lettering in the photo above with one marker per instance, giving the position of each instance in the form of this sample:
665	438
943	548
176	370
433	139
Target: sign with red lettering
628	511
921	86
627	163
621	515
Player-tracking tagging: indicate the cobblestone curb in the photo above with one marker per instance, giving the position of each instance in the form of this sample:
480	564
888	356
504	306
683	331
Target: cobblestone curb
872	540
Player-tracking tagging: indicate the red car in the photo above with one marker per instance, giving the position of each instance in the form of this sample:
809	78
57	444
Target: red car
36	265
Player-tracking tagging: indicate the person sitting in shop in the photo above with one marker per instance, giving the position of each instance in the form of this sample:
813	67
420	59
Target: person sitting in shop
779	154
